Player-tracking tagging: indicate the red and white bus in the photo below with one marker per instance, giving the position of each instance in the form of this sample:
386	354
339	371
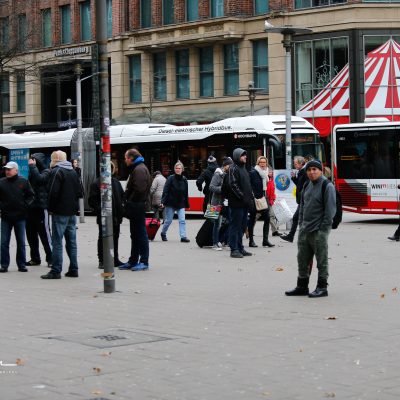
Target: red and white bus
366	166
162	145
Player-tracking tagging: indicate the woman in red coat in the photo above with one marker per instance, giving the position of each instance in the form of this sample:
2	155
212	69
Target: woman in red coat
271	196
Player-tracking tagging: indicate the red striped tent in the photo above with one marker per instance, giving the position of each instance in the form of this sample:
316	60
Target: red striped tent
331	106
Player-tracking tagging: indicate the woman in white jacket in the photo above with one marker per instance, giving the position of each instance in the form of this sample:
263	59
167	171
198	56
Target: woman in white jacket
156	191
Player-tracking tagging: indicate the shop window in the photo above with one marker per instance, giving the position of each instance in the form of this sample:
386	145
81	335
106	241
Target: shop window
260	64
206	56
5	92
20	91
192	10
135	79
182	74
65	24
160	76
145	13
261	6
86	23
231	69
46	27
109	18
316	3
168	12
217	8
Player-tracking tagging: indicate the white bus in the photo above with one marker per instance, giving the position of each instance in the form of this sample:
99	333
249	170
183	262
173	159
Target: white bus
162	145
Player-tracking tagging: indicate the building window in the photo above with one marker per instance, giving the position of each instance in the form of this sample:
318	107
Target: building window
145	13
65	24
22	32
109	18
217	8
20	91
5	32
135	79
316	3
46	27
231	69
86	25
5	92
182	74
192	10
168	12
261	6
260	64
206	55
160	76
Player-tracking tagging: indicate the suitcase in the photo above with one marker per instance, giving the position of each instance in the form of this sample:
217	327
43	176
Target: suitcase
152	226
205	235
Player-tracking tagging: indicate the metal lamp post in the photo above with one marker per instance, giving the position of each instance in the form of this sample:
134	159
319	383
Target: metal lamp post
287	31
252	94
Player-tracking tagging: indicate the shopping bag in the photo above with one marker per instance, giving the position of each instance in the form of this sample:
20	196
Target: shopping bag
212	212
282	211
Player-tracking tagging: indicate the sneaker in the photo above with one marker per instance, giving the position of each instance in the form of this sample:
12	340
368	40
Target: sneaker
164	237
72	274
287	238
3	269
140	267
216	247
246	253
185	240
51	275
23	269
236	254
125	266
32	263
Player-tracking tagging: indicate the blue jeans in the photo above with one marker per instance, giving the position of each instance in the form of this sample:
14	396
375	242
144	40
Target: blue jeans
139	238
64	225
237	227
169	216
19	230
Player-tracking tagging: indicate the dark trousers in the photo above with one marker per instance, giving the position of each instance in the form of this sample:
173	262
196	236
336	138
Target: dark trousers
139	239
38	226
295	222
237	227
397	233
252	221
19	230
206	201
116	231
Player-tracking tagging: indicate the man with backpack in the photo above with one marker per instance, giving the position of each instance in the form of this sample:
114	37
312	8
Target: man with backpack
317	210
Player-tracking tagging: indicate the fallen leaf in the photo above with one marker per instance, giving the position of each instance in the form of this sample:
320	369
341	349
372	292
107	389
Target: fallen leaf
106	354
330	394
97	392
394	290
265	393
382	295
97	370
300	350
279	269
20	362
95	295
331	318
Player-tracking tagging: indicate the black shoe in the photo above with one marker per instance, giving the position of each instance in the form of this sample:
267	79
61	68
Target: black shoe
252	243
51	275
72	274
164	238
32	263
246	253
301	289
236	254
185	240
319	292
276	233
288	238
23	269
267	243
396	238
3	269
117	264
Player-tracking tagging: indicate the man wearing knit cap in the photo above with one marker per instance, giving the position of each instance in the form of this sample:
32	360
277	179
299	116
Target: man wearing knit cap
317	209
64	191
205	177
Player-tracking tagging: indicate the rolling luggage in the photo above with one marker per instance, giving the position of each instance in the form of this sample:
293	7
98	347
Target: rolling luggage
205	235
152	226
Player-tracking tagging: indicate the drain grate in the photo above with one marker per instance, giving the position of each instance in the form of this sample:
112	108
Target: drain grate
111	338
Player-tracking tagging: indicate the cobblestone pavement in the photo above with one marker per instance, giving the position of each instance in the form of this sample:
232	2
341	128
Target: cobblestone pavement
200	325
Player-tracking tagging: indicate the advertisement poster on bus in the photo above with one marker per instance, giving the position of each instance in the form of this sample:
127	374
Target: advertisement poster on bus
285	188
21	157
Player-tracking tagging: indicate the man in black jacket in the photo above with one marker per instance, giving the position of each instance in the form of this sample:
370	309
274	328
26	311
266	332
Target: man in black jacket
205	177
64	192
16	195
38	221
237	189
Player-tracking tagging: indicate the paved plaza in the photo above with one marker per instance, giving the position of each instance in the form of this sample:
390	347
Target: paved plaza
202	326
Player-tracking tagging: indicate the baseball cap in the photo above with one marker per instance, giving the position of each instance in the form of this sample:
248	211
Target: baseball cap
11	165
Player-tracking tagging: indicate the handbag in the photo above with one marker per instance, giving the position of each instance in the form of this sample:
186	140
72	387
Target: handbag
212	212
261	204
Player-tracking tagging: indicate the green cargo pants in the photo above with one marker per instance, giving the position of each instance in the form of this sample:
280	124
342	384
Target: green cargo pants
310	244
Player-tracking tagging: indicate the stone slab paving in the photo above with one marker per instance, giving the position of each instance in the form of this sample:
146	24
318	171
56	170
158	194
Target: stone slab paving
199	325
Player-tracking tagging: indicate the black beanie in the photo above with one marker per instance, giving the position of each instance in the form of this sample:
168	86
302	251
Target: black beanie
227	161
314	163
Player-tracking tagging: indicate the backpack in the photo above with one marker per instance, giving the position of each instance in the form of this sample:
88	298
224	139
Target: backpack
337	218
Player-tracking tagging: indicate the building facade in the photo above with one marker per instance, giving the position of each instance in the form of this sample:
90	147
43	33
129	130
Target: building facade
186	61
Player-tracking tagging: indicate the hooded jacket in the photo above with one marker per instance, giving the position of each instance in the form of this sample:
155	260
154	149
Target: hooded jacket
38	178
156	189
64	189
239	191
217	197
205	177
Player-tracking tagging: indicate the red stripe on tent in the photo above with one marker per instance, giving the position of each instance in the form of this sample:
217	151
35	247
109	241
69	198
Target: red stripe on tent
373	90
